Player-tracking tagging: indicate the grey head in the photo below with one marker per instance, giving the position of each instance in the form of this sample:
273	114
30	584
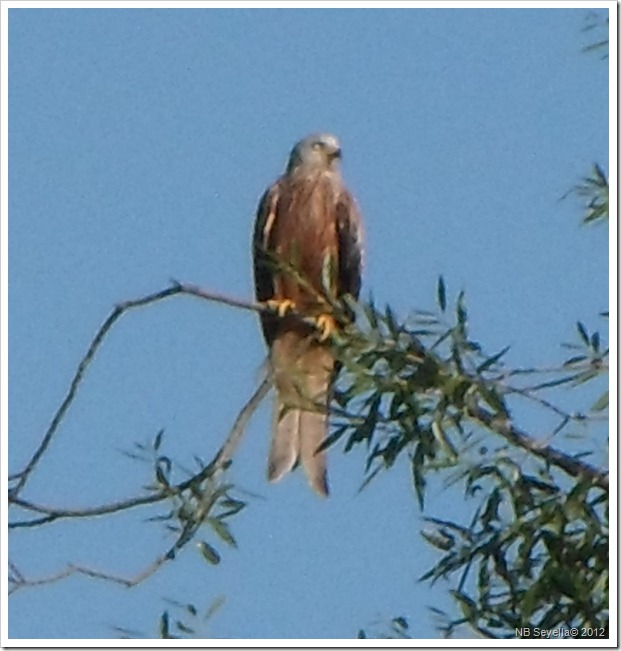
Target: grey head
319	151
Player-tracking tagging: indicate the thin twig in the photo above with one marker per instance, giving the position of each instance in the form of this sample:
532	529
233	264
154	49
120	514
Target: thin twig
175	289
570	465
220	460
58	513
528	393
211	471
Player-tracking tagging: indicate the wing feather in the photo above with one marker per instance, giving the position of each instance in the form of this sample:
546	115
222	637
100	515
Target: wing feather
263	266
349	233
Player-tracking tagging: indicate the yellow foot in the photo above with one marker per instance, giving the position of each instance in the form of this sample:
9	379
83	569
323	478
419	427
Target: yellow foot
326	326
281	305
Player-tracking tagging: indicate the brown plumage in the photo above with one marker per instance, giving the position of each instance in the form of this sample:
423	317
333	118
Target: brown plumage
305	217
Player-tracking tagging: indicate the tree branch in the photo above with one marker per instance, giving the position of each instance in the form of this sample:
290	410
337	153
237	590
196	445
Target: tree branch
218	463
175	289
209	497
515	436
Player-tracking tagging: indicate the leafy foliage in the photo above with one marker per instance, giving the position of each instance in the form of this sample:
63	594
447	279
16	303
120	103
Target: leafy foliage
593	190
536	550
595	22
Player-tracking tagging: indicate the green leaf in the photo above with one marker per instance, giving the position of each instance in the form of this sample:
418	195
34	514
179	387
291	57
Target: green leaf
332	438
164	626
418	463
491	509
232	507
391	321
493	399
222	531
184	628
214	607
582	331
581	378
401	622
163	466
441	293
601	403
444	442
574	360
441	540
209	553
467	605
490	361
595	341
461	311
370	477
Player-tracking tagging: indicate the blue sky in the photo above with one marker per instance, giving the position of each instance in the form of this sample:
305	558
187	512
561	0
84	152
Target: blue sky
140	142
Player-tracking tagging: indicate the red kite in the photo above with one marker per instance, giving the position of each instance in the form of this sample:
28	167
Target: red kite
308	222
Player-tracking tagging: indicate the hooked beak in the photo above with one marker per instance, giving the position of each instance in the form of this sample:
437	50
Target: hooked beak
336	154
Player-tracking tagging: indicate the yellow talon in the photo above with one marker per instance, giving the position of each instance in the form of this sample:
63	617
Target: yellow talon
281	305
326	326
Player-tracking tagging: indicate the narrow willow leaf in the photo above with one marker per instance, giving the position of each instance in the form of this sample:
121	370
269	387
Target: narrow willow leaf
214	607
491	360
441	293
439	541
418	462
445	443
582	331
209	553
493	399
158	440
401	622
595	341
461	311
601	403
164	626
581	378
163	466
369	478
184	628
390	320
223	531
467	605
574	360
232	507
490	513
332	438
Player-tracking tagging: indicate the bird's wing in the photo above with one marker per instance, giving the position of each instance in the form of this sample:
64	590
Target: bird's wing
263	264
349	233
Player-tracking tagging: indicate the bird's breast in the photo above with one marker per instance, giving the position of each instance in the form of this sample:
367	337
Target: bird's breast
305	232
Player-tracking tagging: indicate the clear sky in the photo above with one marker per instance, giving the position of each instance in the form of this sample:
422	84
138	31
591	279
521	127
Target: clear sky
140	142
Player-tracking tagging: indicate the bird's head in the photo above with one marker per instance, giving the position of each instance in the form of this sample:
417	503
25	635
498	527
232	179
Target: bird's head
318	151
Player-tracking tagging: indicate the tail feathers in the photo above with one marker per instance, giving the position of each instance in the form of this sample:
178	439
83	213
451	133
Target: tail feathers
313	430
285	444
296	436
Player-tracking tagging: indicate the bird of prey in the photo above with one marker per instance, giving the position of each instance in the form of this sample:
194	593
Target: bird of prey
307	245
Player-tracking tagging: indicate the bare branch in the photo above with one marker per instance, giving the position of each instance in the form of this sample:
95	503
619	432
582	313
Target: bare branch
219	462
175	289
58	513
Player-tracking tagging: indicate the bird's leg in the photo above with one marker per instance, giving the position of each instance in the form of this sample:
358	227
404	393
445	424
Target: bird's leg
326	325
280	305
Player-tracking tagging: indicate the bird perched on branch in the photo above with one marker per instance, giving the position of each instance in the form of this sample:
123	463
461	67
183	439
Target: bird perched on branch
307	251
